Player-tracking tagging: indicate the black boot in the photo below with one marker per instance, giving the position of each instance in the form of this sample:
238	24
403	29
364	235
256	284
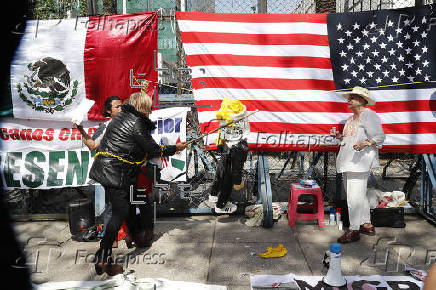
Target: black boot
113	269
99	262
144	238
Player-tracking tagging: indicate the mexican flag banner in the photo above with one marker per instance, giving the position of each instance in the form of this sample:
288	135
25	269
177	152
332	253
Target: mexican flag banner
60	63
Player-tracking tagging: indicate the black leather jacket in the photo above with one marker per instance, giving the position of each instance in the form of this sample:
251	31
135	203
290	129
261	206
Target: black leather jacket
128	137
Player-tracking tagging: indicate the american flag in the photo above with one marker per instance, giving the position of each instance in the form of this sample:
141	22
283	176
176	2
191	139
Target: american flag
289	65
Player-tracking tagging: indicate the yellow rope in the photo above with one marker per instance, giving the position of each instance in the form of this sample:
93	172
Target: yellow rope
122	159
387	86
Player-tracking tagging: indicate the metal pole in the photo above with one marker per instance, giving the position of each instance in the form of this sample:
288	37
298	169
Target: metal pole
179	53
262	6
422	187
326	166
91	7
264	190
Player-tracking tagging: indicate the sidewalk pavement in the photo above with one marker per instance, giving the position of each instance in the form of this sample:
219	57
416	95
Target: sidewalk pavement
222	250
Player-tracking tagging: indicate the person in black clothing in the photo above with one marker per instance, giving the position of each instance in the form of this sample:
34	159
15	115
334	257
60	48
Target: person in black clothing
124	147
111	108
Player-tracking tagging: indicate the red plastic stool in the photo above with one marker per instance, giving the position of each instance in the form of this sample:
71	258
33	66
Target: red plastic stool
317	205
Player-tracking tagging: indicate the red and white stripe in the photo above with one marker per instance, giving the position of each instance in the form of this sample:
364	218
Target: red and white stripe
280	65
164	161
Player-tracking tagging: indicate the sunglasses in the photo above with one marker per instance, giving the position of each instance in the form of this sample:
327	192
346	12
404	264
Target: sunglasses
354	97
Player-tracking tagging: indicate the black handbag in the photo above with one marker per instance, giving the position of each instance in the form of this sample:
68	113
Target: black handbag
388	217
380	217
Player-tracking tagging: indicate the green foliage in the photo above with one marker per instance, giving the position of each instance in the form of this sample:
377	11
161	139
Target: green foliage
109	7
57	9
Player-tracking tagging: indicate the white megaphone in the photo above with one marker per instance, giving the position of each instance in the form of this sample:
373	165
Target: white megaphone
332	260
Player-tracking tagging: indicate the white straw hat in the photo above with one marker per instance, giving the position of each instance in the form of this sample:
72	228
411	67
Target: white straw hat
364	93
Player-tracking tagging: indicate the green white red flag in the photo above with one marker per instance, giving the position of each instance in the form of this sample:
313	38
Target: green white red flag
60	63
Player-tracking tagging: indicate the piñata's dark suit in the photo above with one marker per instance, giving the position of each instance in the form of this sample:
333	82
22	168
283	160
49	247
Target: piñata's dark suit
234	153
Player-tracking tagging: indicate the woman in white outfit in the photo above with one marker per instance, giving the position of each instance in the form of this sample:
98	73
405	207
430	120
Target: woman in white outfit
360	140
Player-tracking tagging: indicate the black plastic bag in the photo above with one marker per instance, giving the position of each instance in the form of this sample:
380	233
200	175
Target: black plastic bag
86	235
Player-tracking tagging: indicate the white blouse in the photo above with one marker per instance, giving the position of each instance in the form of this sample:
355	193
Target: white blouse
367	126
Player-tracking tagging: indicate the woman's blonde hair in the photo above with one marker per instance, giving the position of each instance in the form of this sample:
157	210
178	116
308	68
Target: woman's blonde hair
141	101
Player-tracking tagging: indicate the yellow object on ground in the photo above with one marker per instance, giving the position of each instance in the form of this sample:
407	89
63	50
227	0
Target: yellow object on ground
278	252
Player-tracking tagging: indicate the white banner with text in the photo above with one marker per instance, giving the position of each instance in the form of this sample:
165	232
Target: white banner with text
45	154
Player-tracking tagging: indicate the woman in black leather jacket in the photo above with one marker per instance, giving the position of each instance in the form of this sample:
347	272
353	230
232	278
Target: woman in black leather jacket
125	145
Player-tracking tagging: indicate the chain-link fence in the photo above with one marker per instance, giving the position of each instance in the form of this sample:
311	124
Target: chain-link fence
397	171
296	6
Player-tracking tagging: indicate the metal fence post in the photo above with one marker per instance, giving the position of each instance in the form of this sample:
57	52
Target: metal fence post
262	6
264	190
428	186
91	7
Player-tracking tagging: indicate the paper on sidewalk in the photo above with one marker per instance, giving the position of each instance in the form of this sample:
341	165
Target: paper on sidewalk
273	282
415	273
315	282
128	282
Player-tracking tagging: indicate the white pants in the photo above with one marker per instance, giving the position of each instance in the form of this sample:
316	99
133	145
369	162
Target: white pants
358	203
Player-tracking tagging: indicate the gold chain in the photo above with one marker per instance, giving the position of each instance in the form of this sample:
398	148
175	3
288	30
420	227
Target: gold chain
161	150
122	159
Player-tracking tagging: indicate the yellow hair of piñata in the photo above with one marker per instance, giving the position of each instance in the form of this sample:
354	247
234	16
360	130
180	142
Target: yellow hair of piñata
228	109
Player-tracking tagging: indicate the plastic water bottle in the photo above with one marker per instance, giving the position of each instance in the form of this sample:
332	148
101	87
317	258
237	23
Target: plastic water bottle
332	217
338	214
338	218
